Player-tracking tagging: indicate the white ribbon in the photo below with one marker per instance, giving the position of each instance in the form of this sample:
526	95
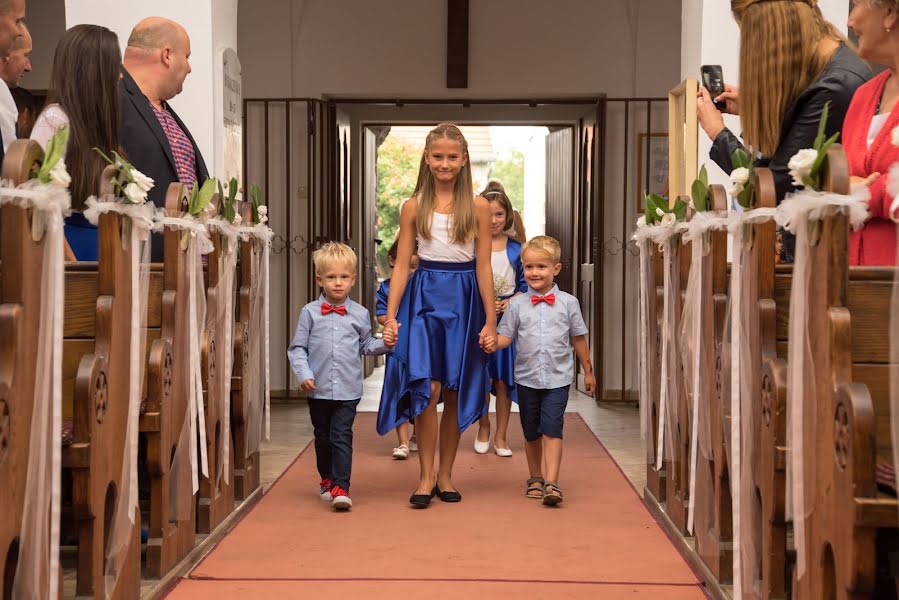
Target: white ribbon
37	573
264	234
645	425
199	241
231	233
127	503
700	224
141	215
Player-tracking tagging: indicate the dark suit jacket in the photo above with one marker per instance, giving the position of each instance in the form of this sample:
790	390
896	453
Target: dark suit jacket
143	140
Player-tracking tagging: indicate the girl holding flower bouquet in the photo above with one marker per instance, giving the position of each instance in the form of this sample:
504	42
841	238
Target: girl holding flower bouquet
84	99
508	280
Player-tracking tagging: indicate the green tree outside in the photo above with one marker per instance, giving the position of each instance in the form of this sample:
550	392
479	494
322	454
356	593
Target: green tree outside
397	173
510	171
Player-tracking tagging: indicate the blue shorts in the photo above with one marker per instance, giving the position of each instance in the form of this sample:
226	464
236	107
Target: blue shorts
542	411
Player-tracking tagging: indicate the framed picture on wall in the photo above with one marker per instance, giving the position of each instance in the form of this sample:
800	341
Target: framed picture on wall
652	165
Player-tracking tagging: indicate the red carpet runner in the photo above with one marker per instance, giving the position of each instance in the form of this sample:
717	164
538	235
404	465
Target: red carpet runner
600	543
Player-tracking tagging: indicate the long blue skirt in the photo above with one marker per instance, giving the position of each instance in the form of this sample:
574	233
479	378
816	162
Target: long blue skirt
441	315
501	367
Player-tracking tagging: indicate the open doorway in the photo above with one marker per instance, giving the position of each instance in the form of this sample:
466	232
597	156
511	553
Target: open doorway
514	155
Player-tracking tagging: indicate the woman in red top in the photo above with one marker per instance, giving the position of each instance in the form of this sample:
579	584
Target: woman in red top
867	130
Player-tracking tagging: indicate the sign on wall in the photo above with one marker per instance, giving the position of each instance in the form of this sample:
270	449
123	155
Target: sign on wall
232	115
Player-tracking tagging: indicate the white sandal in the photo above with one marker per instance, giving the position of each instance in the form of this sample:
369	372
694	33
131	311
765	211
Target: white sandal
401	452
479	446
504	452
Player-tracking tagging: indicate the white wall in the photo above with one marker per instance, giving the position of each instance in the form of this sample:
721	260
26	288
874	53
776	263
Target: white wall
47	22
210	24
516	48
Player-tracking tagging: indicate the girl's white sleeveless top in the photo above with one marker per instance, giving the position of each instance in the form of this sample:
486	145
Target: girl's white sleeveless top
503	273
439	248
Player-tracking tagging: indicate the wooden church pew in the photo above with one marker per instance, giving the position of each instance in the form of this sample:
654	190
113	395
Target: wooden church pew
21	268
96	371
246	403
171	528
677	466
849	307
713	528
216	496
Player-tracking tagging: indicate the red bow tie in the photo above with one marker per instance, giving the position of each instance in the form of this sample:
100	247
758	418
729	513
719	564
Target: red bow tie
549	299
327	308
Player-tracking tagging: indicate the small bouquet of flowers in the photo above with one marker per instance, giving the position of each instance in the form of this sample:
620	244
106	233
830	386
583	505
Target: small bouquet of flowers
131	185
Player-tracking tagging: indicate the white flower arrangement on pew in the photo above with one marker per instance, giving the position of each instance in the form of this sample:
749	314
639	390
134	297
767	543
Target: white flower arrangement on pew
53	174
743	190
228	212
805	165
260	210
53	170
658	211
131	185
198	204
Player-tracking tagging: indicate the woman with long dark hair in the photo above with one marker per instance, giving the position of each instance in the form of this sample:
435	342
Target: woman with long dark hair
83	95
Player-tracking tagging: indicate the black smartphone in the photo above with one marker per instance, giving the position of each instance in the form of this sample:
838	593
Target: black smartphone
713	80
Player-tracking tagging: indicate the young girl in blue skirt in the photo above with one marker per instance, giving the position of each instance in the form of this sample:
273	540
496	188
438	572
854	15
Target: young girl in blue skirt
508	281
437	319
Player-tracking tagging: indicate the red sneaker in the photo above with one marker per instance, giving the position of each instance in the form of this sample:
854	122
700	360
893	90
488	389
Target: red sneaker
340	499
326	489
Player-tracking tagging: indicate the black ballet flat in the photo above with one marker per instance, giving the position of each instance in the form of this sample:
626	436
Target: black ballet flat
422	500
448	496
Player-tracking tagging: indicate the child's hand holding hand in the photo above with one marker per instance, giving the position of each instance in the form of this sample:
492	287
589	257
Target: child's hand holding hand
590	382
489	345
501	306
390	333
309	385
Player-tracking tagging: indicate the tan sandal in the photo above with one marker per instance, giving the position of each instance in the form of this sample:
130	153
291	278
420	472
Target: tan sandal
552	494
534	488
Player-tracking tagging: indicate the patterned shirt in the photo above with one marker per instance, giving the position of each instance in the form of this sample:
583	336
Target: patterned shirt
542	334
326	348
182	148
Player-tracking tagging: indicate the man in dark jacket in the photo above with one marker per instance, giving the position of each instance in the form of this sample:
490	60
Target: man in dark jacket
152	136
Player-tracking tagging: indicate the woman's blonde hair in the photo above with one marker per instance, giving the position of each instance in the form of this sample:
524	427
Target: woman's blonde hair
495	192
465	221
778	60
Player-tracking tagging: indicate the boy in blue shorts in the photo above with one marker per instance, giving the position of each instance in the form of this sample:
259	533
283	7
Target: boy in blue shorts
545	324
331	334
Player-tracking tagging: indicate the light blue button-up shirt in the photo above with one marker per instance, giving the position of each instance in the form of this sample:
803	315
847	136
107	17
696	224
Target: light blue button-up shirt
327	348
542	334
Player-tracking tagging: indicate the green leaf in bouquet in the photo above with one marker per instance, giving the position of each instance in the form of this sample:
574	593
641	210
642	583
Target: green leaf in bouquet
256	201
822	156
740	159
651	206
680	209
232	189
700	194
200	198
56	147
704	176
822	124
746	197
810	182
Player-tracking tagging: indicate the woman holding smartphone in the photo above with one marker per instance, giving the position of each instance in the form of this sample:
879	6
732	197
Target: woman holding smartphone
792	63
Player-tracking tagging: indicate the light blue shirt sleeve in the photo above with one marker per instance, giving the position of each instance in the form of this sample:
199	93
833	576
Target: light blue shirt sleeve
368	344
508	326
576	319
298	352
